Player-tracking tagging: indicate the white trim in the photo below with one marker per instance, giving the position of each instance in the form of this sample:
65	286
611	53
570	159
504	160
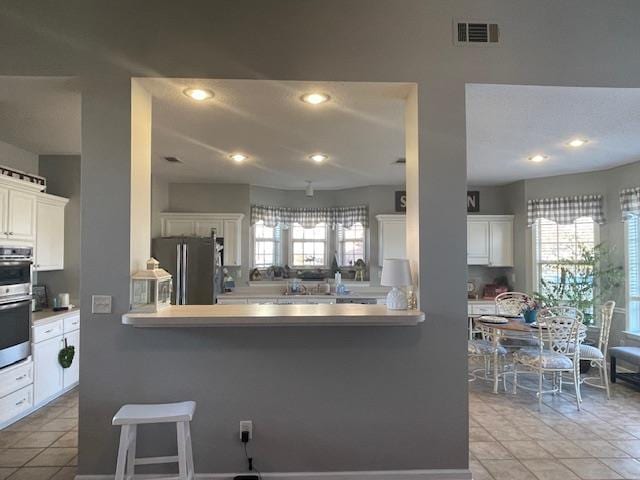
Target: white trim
436	474
327	248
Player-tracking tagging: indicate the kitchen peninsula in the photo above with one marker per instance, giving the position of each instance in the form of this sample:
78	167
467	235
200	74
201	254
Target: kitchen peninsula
274	316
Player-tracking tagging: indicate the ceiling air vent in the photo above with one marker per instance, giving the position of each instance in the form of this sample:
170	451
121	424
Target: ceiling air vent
475	33
173	159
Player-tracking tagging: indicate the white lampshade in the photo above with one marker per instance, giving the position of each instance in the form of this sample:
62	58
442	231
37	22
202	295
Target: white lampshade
396	272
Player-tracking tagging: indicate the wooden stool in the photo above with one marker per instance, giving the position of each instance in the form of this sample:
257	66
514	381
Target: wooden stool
130	416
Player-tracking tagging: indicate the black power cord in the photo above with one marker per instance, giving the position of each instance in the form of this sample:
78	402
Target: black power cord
252	467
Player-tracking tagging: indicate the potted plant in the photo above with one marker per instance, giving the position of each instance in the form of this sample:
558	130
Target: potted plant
530	310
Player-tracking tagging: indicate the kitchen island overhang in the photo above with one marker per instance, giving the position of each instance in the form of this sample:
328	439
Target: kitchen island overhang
333	315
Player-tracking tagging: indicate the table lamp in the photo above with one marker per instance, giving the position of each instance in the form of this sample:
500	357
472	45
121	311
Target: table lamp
396	272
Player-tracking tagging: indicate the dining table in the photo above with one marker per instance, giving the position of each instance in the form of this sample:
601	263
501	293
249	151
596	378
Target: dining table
515	328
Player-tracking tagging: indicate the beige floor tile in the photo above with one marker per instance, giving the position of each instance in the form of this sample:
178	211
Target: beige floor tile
632	447
590	469
52	457
38	439
489	451
60	425
16	457
507	470
65	473
69	439
479	434
526	449
627	467
602	449
478	471
34	473
8	439
5	472
564	449
69	413
73	462
549	470
610	432
508	434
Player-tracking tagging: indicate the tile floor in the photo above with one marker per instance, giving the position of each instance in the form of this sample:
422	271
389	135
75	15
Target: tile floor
510	439
44	445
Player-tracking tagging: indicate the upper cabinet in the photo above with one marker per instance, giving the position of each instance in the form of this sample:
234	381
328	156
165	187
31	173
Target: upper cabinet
490	240
17	212
392	237
226	225
49	251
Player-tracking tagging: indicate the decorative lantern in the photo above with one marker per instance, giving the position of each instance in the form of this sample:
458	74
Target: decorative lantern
151	288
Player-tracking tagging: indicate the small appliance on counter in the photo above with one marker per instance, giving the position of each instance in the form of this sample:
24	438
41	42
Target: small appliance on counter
61	302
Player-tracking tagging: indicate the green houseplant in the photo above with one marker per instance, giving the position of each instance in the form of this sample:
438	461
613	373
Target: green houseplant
588	280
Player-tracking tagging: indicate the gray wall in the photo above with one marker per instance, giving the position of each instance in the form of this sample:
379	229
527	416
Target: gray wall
18	158
322	398
159	203
493	200
63	179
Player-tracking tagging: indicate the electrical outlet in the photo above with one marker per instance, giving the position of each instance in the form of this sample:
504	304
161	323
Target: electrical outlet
101	304
246	426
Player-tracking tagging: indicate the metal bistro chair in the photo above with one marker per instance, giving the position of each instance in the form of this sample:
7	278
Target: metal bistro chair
597	355
556	335
491	355
511	303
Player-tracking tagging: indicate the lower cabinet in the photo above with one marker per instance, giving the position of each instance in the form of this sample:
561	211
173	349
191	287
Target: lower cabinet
50	379
48	372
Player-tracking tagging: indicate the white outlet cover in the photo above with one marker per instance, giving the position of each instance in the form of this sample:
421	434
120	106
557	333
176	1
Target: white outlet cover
101	304
246	426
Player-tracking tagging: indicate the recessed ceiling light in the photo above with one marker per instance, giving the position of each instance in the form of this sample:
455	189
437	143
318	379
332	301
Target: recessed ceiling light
198	94
577	142
315	98
238	157
538	158
318	157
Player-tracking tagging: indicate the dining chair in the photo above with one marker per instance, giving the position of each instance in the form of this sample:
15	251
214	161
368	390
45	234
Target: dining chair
512	303
491	353
597	355
553	354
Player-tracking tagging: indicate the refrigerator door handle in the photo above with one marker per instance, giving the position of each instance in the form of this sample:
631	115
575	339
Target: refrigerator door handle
178	274
185	254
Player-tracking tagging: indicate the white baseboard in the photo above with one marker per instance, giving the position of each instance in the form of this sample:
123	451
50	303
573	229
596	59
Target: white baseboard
458	474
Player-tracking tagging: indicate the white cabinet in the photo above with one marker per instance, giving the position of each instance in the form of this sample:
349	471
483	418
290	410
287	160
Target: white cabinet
392	237
4	212
48	372
71	375
49	251
21	218
232	235
477	242
50	379
490	240
226	225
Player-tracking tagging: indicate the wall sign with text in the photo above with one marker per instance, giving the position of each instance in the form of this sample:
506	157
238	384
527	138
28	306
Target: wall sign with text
473	201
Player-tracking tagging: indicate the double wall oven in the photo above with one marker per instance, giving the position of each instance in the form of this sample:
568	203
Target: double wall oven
15	304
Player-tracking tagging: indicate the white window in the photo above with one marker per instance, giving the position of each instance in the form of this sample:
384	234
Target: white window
558	255
308	246
266	245
351	244
632	227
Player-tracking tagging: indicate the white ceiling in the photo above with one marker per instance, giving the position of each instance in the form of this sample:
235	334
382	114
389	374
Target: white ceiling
361	130
506	124
40	114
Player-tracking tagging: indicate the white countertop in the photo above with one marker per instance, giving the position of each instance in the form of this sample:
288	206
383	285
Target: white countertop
48	315
313	296
274	315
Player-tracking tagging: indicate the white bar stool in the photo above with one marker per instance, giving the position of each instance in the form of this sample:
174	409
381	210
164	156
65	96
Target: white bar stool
130	416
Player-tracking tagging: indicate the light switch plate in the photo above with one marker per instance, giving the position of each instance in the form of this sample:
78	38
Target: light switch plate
101	304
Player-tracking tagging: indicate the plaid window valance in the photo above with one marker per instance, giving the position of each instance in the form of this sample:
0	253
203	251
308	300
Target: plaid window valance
566	210
630	202
310	217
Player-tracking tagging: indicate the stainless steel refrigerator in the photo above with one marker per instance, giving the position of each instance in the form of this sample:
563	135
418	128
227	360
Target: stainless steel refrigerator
195	265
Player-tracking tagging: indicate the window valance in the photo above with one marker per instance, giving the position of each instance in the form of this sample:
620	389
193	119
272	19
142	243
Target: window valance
565	210
310	217
630	202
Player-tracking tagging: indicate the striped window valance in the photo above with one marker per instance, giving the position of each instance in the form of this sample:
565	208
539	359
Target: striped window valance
630	202
566	210
310	217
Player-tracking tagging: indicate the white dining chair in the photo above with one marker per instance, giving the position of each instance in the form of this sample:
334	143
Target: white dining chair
597	354
512	303
491	353
553	355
